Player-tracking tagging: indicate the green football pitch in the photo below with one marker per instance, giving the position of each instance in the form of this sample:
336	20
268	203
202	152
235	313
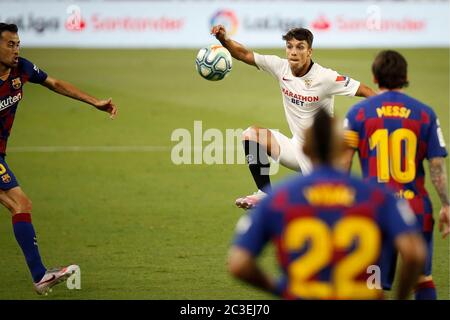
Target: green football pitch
107	196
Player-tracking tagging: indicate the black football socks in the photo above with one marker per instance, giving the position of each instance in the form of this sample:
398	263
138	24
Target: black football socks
258	163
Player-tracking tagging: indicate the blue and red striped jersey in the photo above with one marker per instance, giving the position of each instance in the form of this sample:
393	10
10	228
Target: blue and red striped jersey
393	134
330	231
11	92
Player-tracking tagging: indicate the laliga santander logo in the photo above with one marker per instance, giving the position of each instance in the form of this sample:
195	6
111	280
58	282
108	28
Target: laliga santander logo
74	22
321	24
227	18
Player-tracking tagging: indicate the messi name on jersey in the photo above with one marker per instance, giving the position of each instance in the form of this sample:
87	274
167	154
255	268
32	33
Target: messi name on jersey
9	101
396	111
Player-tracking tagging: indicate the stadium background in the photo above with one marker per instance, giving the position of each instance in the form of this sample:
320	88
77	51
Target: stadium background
106	194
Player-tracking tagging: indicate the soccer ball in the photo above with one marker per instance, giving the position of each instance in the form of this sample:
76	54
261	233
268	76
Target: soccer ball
213	62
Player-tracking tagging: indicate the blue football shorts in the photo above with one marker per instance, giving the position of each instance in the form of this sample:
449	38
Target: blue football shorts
7	178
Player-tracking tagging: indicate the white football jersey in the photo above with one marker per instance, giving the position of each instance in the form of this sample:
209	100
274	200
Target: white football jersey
304	96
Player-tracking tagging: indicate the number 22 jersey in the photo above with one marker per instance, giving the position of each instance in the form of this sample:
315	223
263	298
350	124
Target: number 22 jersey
329	230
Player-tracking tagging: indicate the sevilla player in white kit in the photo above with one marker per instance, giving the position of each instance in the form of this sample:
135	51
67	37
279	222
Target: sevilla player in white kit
306	87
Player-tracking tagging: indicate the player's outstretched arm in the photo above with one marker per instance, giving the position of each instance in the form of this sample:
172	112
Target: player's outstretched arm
438	176
242	265
413	252
365	91
69	90
237	50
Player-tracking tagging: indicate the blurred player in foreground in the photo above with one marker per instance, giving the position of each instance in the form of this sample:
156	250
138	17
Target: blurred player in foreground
306	88
393	134
329	230
14	73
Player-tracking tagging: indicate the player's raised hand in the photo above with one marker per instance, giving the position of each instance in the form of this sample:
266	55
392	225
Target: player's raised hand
107	106
219	32
444	221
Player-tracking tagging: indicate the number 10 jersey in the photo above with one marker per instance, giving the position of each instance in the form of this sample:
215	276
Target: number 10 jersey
393	134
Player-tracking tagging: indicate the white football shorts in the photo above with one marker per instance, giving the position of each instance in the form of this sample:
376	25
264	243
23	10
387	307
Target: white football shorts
291	153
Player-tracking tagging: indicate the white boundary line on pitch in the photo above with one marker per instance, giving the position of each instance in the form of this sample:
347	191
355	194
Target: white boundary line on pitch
89	149
49	149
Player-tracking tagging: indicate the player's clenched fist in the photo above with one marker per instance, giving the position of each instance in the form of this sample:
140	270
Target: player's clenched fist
219	32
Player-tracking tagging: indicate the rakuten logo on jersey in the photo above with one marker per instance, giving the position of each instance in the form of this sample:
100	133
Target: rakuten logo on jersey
9	101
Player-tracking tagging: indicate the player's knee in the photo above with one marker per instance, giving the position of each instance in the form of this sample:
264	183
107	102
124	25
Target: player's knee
24	205
424	278
252	133
235	267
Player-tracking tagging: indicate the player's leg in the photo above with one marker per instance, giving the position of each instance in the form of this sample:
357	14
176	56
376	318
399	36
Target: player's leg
425	289
20	207
303	161
17	202
288	151
260	143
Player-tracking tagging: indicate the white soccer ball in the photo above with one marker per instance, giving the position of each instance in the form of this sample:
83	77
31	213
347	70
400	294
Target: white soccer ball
213	62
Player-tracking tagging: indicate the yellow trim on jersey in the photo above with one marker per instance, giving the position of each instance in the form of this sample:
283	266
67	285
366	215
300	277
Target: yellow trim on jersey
351	138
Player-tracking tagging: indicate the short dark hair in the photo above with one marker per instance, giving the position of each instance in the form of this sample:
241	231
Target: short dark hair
390	70
300	34
8	27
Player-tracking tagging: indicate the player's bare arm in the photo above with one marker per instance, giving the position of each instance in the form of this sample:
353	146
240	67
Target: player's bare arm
242	265
347	159
438	176
69	90
413	251
237	50
365	91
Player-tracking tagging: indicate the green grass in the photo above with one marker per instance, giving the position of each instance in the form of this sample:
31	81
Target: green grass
139	226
